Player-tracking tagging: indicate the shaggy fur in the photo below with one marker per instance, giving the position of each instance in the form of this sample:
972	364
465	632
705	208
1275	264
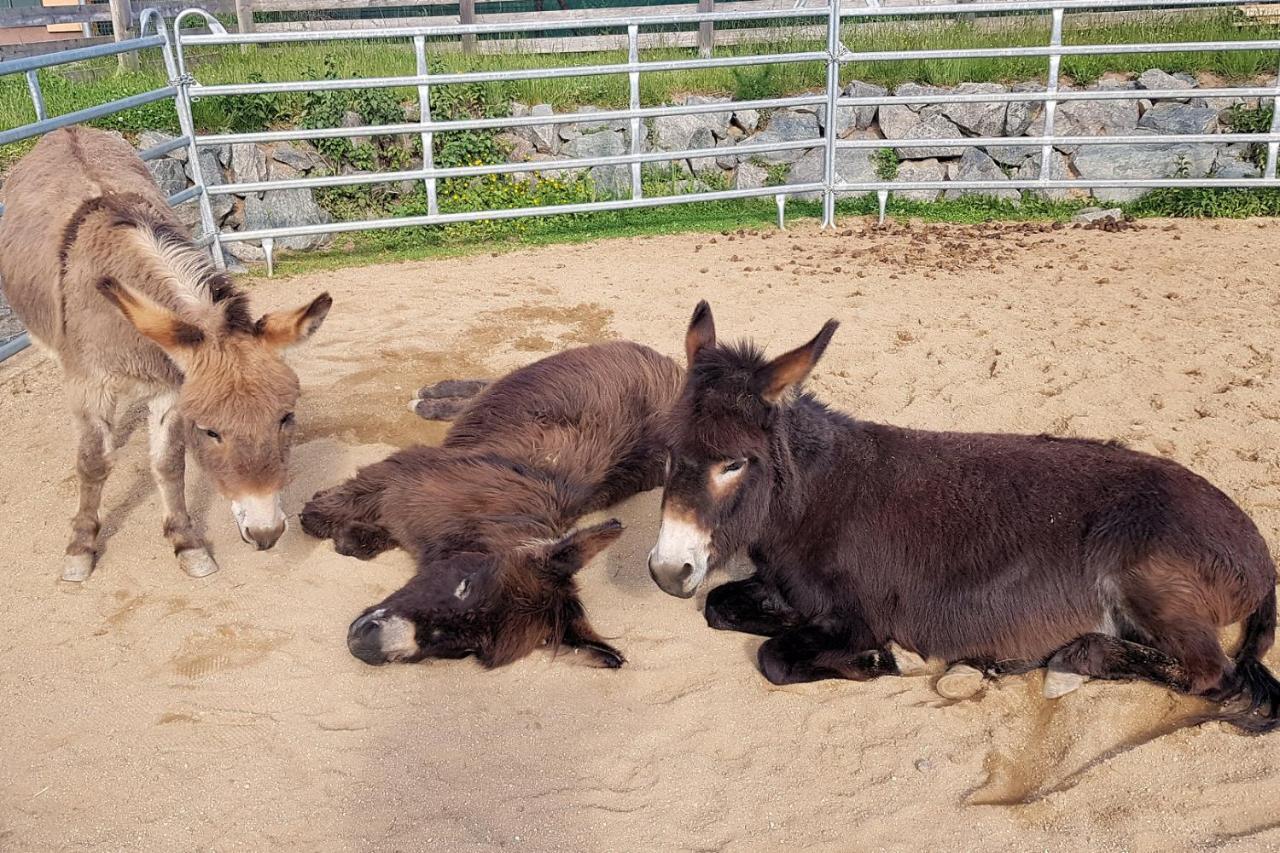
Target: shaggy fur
488	514
1006	549
108	281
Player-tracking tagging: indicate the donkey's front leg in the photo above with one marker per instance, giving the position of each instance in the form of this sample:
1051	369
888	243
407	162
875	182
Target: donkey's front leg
751	606
168	466
94	413
817	652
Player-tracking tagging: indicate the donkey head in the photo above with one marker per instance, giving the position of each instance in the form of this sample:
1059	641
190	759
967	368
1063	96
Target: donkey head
721	436
237	397
498	607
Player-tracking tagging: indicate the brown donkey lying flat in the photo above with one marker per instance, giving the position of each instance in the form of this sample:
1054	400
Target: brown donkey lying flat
488	514
109	283
1011	550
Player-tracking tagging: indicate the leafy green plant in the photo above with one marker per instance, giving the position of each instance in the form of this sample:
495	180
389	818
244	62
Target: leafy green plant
886	162
775	174
252	113
1244	119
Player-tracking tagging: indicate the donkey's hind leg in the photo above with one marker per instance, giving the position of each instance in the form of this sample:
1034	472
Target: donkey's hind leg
168	467
1104	656
446	399
94	407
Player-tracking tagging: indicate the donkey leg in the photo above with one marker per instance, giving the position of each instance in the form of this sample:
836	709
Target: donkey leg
1104	656
580	636
94	413
750	606
169	467
362	541
814	653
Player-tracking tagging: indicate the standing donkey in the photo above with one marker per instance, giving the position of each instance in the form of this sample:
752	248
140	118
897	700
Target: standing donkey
109	282
1007	549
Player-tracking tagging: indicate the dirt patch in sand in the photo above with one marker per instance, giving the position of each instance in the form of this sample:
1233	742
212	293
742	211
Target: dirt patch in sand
148	710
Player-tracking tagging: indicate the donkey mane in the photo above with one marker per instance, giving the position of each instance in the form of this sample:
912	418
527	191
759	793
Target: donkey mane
203	293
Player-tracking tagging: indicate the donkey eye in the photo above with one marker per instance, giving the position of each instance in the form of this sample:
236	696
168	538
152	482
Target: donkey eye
735	465
212	433
287	420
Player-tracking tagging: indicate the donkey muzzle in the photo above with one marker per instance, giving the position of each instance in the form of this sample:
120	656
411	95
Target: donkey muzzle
261	519
678	562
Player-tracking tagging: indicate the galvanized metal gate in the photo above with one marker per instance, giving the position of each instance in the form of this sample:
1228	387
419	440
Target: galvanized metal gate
183	87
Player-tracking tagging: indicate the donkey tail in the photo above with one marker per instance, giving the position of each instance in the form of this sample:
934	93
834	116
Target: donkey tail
1252	680
445	399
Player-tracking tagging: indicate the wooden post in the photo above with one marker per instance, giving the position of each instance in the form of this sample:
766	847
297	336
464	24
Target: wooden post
120	21
467	15
244	19
706	30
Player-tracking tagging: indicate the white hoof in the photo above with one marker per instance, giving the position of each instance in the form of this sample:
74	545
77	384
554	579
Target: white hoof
196	562
77	568
1058	683
909	663
959	682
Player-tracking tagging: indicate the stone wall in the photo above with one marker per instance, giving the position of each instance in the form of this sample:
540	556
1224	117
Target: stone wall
722	132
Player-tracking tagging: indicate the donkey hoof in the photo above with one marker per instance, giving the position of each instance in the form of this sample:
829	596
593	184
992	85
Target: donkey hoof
1058	683
959	682
196	562
909	663
77	568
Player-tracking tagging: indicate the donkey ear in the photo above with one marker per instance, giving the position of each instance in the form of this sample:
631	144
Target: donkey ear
791	368
702	331
286	328
173	334
574	551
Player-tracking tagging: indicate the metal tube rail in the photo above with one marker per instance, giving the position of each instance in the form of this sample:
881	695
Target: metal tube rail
184	195
500	76
45	60
621	22
615	23
1057	184
87	114
1064	50
157	151
1037	141
511	121
361	178
516	213
14	345
1067	95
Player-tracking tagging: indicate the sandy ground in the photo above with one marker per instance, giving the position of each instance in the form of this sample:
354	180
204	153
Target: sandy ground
146	710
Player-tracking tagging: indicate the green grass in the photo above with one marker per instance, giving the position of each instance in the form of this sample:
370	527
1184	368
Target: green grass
368	59
394	245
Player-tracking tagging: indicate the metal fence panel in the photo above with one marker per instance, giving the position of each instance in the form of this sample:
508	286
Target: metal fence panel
836	56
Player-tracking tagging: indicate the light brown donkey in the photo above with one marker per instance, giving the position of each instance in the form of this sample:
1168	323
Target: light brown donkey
106	279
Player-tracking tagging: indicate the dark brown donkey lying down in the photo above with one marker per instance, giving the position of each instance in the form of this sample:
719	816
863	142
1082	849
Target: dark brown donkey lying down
1013	550
489	514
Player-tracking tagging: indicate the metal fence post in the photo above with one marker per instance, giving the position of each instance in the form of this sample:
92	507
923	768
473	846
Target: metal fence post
175	66
1273	148
633	82
424	115
706	30
37	96
1051	89
829	130
120	20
